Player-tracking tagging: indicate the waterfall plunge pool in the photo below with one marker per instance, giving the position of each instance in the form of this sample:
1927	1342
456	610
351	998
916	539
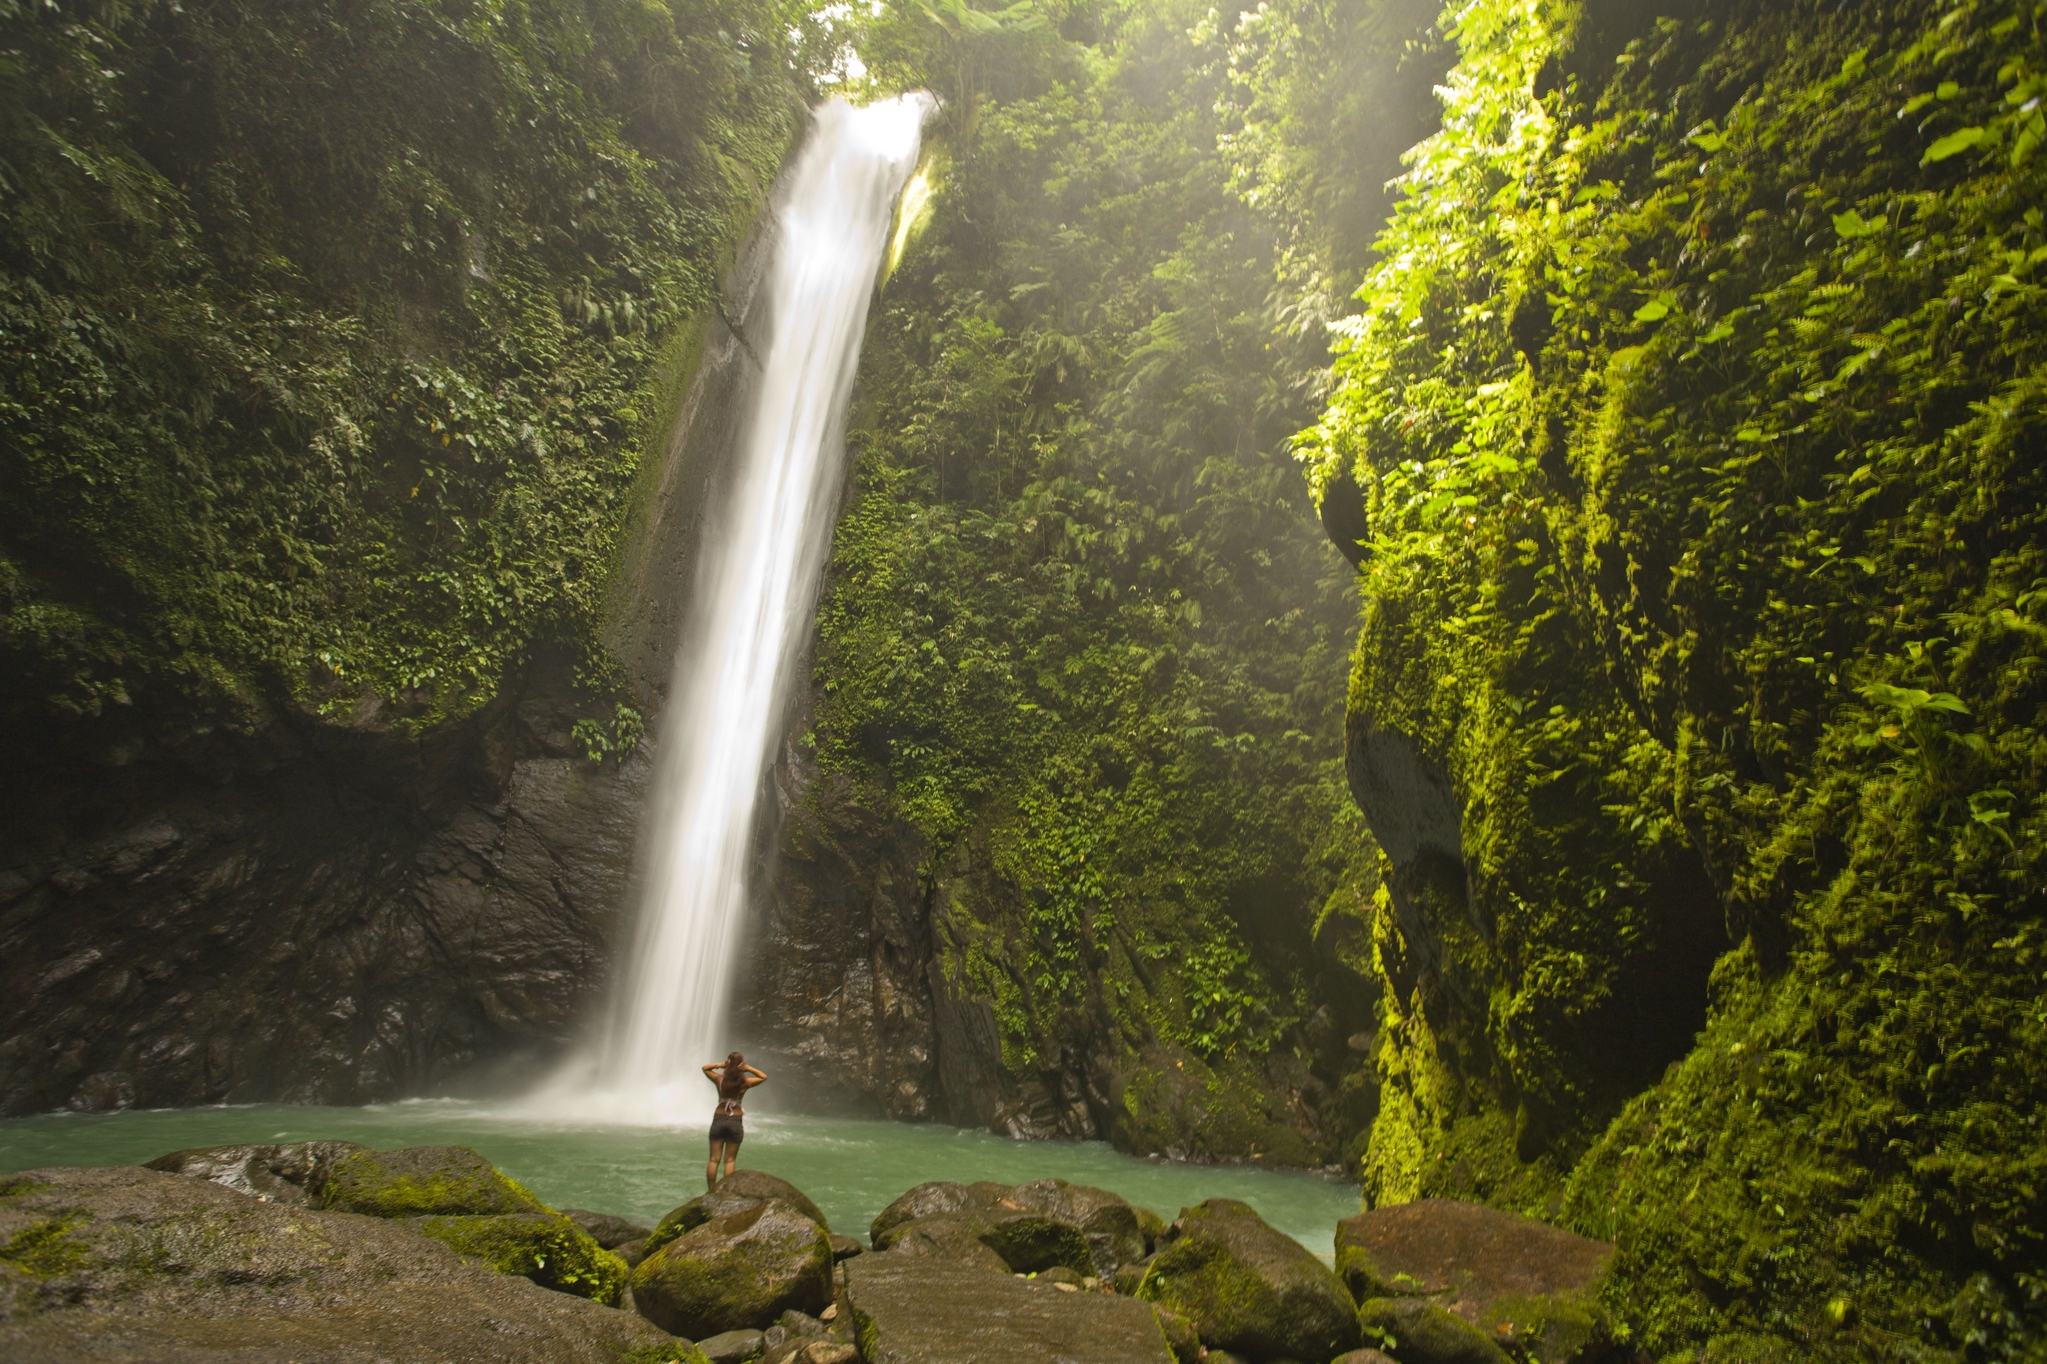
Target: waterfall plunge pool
853	1168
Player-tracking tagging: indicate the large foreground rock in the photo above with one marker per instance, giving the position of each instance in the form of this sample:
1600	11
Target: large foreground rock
735	1272
1249	1289
127	1266
1530	1285
910	1310
475	1210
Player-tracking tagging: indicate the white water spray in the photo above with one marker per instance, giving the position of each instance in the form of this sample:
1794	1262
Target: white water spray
754	596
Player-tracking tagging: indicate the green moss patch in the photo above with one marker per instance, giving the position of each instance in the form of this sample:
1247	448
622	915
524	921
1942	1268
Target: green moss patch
44	1250
551	1251
424	1181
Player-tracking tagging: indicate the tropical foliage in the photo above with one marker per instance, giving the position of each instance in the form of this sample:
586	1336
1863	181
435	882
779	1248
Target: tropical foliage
1696	407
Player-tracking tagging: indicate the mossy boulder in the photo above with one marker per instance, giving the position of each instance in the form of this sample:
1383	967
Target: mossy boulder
1031	1227
424	1181
934	1199
736	1192
1115	1237
1531	1285
552	1251
741	1270
1250	1289
1416	1331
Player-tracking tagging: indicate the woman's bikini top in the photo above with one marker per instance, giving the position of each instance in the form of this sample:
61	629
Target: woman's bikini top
728	1097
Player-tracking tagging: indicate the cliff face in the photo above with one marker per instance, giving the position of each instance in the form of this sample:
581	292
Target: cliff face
1690	437
324	634
311	913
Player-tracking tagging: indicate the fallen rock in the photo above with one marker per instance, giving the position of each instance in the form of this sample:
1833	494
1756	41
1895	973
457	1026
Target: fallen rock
292	1173
1364	1356
952	1238
1114	1235
135	1266
423	1181
740	1270
935	1199
736	1192
551	1251
910	1310
1419	1332
733	1347
845	1246
632	1252
1517	1280
800	1325
1020	1242
1107	1225
1249	1289
606	1230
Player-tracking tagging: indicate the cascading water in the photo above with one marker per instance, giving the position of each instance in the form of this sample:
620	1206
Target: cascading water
755	591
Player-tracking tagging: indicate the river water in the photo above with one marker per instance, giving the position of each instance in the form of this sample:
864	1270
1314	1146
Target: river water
852	1168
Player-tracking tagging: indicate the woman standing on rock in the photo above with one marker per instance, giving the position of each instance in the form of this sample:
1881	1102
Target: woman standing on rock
728	1125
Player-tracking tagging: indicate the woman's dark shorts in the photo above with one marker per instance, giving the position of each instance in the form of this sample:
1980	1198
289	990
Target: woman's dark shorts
728	1129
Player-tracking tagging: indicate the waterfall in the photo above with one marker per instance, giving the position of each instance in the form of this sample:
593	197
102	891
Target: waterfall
755	592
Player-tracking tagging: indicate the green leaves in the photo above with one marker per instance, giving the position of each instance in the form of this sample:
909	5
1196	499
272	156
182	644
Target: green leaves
1851	225
1657	308
1954	144
1911	702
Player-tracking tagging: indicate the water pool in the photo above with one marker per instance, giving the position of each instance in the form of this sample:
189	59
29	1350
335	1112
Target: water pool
852	1168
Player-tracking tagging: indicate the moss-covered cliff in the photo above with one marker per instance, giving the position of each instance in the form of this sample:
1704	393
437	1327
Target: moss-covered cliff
333	332
331	339
1080	656
1691	437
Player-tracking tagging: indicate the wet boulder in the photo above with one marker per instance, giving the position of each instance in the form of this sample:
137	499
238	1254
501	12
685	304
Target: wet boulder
936	1199
551	1251
1020	1242
1249	1289
1519	1281
293	1172
952	1238
135	1265
1416	1331
1115	1237
606	1230
1030	1227
739	1270
423	1181
736	1192
908	1310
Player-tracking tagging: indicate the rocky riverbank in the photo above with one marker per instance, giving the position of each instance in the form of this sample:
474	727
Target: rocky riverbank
328	1251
